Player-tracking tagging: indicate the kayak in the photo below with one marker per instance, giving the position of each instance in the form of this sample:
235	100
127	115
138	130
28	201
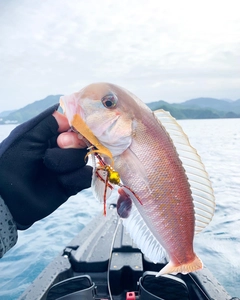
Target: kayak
102	262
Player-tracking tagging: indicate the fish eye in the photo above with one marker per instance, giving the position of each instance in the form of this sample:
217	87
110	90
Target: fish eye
110	100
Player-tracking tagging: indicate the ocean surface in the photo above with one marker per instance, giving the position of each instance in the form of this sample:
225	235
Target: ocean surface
217	142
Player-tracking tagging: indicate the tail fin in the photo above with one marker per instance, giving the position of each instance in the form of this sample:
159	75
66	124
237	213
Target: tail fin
192	266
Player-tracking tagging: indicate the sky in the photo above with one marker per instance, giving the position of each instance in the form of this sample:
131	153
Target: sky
159	50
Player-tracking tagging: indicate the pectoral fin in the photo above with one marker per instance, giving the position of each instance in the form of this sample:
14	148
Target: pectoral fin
143	237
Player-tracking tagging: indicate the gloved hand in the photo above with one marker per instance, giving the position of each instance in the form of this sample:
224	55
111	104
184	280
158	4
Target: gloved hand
36	176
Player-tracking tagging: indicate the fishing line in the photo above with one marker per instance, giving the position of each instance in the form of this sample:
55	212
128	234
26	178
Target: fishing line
199	286
110	257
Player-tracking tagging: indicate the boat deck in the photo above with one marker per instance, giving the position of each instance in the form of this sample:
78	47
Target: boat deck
105	252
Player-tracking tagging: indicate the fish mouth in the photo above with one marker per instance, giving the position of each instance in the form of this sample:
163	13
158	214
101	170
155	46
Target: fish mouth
81	127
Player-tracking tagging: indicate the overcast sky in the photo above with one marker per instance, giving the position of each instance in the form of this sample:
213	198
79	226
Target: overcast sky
169	50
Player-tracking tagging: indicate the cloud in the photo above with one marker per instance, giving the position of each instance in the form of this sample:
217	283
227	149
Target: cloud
170	50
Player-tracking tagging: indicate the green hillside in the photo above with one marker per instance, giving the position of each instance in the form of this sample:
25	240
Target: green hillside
200	108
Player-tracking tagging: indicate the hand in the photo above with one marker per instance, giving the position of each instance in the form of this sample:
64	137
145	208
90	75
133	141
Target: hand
41	166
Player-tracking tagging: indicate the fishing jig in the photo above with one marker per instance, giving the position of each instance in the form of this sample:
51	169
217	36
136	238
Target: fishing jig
111	177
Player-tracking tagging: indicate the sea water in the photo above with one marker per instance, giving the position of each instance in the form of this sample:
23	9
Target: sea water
218	143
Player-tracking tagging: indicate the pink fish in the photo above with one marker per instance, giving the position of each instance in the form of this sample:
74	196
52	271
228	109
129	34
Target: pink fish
165	194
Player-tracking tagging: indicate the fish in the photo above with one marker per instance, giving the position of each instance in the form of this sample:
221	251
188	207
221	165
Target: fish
165	194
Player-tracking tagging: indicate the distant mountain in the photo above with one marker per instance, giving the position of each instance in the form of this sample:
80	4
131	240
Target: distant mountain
206	102
212	103
199	108
29	111
236	103
156	104
6	113
226	99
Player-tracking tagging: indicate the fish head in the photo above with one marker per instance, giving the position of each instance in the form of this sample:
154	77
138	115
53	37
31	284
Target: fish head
105	115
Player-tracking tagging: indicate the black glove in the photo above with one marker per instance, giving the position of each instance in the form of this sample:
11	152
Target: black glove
36	176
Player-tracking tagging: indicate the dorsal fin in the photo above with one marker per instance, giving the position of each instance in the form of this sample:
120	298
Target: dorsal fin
202	192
